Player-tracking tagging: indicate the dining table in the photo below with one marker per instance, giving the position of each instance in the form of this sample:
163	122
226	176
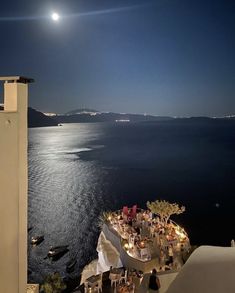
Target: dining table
116	271
93	280
115	274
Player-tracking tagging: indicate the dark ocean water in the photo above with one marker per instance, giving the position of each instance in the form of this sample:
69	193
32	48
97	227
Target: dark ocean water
80	170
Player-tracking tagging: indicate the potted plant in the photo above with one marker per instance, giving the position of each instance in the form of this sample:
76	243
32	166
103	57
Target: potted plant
53	284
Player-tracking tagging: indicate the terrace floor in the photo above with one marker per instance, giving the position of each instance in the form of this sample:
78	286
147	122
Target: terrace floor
106	286
165	280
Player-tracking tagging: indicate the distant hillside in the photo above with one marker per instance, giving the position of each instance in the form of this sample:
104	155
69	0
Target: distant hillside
87	115
81	111
38	119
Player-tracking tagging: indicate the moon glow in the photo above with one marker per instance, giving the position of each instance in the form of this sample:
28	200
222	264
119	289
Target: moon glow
55	16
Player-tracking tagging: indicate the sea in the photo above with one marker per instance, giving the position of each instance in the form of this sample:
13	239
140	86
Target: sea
78	171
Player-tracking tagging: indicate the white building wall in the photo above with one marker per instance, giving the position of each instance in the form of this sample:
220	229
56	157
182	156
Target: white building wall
13	189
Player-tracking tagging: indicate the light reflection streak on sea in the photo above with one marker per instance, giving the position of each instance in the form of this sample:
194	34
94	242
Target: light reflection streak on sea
65	196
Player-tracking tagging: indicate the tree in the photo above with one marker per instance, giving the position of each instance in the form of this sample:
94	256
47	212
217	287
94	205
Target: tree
53	284
165	209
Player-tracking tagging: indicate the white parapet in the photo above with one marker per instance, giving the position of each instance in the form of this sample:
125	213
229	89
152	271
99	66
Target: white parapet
208	269
14	185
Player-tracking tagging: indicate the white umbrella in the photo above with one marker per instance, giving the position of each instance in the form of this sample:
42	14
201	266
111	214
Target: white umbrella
89	270
108	254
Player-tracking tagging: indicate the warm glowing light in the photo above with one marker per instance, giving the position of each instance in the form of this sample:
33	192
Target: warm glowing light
55	16
126	246
180	234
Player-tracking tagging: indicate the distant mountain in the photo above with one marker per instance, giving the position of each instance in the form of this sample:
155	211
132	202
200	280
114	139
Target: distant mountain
38	119
85	115
88	115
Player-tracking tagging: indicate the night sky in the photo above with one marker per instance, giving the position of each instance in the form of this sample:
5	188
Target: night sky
163	57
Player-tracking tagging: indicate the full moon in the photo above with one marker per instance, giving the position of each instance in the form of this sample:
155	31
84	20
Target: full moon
55	16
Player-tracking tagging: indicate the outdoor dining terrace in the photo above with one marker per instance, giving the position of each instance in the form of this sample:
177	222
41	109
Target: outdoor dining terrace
144	237
132	243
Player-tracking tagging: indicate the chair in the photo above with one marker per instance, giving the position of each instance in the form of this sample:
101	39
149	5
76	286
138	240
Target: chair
86	287
114	279
115	282
133	211
144	253
152	231
125	211
124	277
99	285
131	240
